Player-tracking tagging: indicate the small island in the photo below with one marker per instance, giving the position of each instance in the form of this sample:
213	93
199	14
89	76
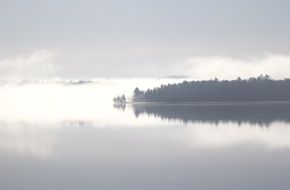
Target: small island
120	99
261	88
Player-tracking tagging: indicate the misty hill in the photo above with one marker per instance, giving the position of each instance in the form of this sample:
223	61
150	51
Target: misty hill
48	81
262	88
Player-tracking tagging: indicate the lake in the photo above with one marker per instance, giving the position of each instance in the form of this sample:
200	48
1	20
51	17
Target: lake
204	146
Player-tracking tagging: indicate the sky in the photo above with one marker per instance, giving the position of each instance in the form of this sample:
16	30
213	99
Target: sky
200	39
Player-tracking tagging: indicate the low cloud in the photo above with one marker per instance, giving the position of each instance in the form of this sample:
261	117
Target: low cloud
38	64
205	67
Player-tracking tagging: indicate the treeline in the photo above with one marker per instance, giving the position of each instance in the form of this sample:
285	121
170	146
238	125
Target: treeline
262	88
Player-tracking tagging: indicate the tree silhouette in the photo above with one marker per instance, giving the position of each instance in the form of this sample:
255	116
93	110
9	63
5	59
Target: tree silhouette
119	99
262	88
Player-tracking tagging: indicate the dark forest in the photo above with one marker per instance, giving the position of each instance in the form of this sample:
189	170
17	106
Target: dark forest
261	88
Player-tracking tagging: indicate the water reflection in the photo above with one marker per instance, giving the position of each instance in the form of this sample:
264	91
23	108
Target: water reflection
120	106
170	147
30	141
262	113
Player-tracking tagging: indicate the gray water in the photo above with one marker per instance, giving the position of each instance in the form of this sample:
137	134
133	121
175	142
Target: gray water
150	146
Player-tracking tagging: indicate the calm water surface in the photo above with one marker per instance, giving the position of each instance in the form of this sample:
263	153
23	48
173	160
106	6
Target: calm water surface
150	146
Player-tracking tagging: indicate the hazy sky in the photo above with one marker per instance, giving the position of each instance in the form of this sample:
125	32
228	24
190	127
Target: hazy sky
144	38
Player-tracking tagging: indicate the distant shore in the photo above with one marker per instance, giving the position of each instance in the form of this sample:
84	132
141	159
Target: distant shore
210	103
261	89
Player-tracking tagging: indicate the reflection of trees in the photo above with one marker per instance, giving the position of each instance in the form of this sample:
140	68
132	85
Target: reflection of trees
259	113
120	106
